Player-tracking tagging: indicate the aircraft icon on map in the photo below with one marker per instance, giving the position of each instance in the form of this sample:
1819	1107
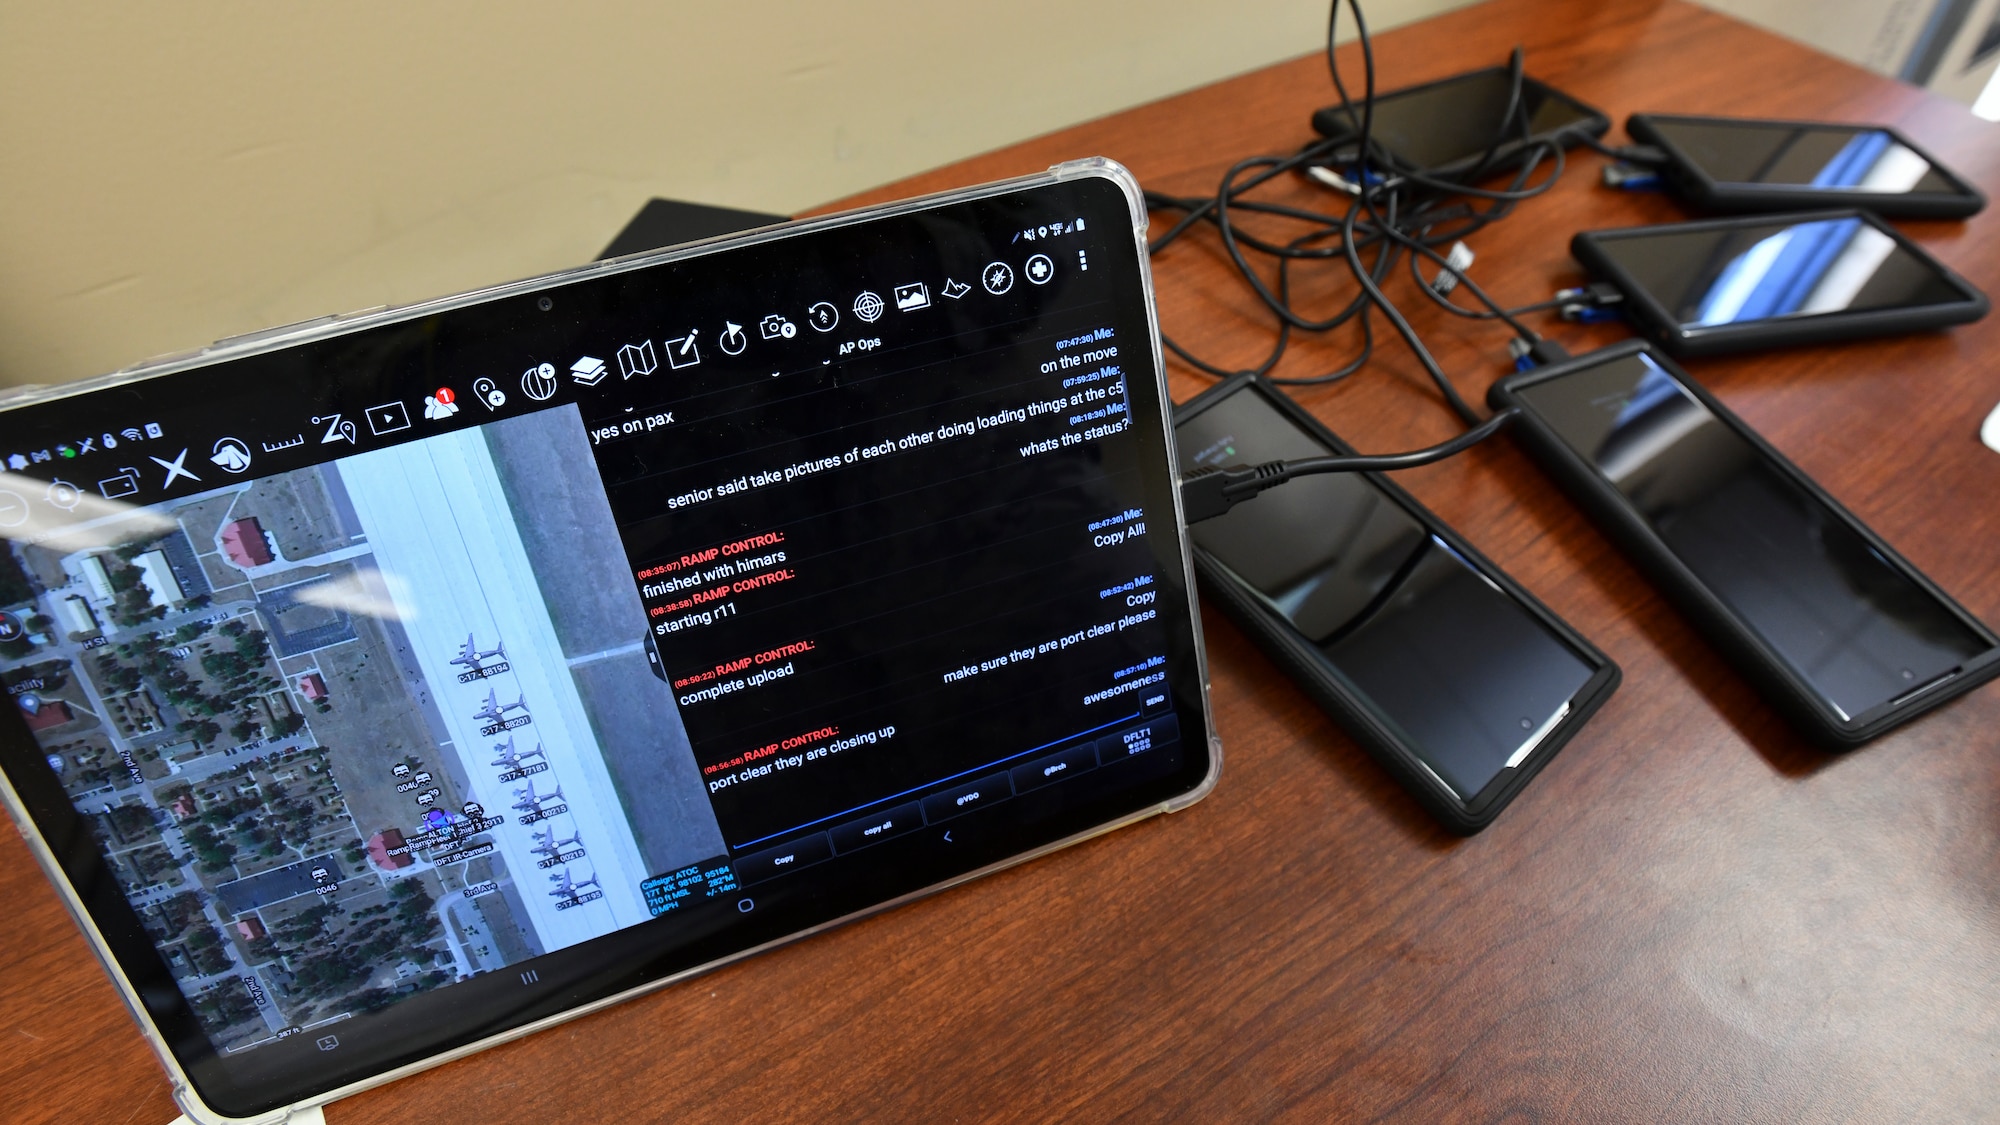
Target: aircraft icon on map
569	889
511	759
531	801
470	657
547	846
496	711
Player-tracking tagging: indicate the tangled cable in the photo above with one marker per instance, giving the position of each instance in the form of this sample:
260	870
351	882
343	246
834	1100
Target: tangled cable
1394	211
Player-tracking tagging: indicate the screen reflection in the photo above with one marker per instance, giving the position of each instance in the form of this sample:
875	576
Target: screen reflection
1832	158
1472	679
1708	277
1859	631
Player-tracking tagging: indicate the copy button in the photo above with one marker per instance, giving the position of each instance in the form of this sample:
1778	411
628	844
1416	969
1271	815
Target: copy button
772	862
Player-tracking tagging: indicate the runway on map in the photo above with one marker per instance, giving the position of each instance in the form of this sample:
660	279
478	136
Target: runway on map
436	517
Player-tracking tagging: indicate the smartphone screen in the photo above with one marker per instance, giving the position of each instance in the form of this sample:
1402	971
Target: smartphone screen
1706	275
1832	158
1857	629
1473	680
1459	119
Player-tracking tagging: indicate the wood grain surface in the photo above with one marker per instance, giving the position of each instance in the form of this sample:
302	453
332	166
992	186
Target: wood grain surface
1691	915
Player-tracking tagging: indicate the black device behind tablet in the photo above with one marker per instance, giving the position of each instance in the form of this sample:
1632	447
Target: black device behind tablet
393	684
1726	285
1741	164
1452	676
671	222
1836	629
1448	128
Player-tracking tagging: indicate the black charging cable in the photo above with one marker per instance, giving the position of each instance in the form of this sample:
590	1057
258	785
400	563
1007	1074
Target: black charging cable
1646	155
1391	211
1212	490
1632	167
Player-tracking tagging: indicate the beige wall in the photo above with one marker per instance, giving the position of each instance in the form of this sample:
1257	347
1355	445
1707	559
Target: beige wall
1877	34
1880	34
179	172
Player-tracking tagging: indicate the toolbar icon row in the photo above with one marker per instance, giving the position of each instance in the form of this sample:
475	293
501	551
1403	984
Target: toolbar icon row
539	382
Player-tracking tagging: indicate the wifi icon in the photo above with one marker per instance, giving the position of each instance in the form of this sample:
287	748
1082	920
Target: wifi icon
131	433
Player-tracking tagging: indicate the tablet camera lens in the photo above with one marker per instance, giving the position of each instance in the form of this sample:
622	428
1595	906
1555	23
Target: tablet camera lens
545	304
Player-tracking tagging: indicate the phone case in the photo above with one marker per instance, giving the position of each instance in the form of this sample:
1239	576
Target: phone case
1691	182
1331	122
1335	694
1659	324
1756	660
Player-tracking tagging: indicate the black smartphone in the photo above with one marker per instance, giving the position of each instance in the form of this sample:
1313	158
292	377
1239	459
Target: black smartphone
1448	127
1452	676
1738	164
1836	629
1727	285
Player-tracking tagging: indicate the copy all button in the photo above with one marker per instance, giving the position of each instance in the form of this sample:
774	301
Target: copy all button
877	827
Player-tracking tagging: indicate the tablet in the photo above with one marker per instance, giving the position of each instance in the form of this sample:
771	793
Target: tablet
394	684
1727	285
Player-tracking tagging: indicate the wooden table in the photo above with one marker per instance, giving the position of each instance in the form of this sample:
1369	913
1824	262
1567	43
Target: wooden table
1690	915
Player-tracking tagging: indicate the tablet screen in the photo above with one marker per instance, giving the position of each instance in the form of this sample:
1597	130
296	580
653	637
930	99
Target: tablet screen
419	682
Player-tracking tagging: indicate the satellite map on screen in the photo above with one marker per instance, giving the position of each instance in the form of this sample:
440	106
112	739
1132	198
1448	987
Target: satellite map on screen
361	730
